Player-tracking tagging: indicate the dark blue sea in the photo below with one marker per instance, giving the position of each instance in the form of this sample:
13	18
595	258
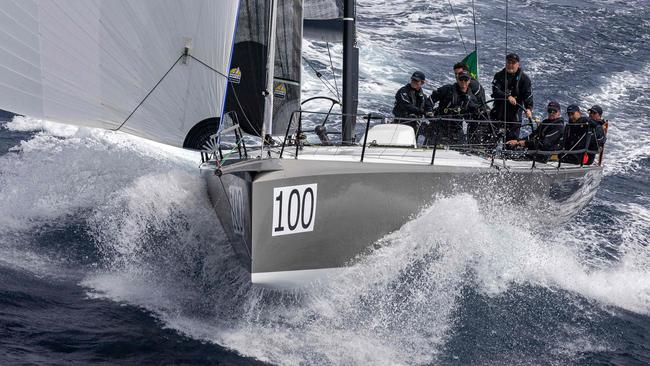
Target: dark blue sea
110	252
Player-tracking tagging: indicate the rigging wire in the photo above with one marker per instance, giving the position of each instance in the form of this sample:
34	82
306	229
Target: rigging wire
333	73
232	87
505	105
167	73
457	26
327	84
150	91
475	39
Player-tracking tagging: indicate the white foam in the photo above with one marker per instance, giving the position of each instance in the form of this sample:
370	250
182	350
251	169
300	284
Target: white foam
64	169
394	306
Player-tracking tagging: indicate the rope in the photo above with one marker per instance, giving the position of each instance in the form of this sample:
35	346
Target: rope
457	26
475	39
167	73
150	91
333	73
327	84
505	102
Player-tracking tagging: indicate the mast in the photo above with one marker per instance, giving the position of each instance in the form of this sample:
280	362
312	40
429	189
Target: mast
350	71
267	126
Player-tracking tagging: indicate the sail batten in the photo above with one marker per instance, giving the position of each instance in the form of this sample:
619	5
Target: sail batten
94	62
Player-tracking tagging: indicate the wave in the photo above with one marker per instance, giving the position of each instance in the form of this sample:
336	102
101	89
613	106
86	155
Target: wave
160	247
395	306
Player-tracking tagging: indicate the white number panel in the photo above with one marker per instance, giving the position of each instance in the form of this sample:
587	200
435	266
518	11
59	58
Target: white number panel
294	209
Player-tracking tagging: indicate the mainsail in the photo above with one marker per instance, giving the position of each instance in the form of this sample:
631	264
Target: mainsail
247	71
152	68
323	20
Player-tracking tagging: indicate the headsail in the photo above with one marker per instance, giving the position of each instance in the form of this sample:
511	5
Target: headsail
247	70
117	64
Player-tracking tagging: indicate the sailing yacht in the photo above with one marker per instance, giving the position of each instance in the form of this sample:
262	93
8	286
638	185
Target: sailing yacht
194	73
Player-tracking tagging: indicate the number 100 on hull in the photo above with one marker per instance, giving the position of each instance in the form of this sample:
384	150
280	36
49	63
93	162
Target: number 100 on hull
294	209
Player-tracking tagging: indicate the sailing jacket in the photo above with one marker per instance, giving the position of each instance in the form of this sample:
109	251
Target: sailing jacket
410	102
548	136
452	101
576	135
518	86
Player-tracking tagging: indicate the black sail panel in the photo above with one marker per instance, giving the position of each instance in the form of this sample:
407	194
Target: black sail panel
248	66
286	86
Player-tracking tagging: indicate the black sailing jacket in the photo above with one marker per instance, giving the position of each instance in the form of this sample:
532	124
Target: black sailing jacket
409	101
518	86
454	102
575	138
548	136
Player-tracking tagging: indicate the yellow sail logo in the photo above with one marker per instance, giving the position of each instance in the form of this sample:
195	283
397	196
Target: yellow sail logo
280	91
235	75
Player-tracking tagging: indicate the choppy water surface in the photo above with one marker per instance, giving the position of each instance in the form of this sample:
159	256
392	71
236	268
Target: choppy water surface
110	251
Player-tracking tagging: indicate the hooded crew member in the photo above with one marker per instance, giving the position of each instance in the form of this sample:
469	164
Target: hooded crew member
511	87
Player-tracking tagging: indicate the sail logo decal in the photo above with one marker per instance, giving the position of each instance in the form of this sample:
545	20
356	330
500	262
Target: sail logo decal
237	209
294	209
280	91
235	75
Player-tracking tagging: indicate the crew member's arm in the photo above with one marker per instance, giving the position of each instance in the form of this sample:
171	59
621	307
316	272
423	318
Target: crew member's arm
526	91
552	137
497	86
479	92
437	95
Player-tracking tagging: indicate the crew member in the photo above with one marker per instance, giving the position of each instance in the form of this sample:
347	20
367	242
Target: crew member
581	133
548	135
474	85
411	103
596	115
457	102
512	92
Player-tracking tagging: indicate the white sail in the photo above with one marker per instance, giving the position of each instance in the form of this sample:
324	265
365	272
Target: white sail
93	62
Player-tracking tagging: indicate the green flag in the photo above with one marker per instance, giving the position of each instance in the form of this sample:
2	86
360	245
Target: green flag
471	61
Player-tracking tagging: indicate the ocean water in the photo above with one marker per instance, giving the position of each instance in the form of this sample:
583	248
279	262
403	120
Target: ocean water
110	252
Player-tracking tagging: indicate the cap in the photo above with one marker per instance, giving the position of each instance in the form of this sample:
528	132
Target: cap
596	108
418	75
512	56
464	75
572	108
554	105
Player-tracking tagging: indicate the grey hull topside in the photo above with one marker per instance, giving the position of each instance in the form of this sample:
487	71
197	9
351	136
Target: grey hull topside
357	204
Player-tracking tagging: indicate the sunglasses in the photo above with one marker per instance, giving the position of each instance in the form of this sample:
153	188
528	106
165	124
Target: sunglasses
593	112
551	111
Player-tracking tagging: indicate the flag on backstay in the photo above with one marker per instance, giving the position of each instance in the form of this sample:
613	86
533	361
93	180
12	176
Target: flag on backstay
471	61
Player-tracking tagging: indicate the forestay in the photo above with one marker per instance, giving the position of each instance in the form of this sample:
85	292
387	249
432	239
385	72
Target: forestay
93	62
